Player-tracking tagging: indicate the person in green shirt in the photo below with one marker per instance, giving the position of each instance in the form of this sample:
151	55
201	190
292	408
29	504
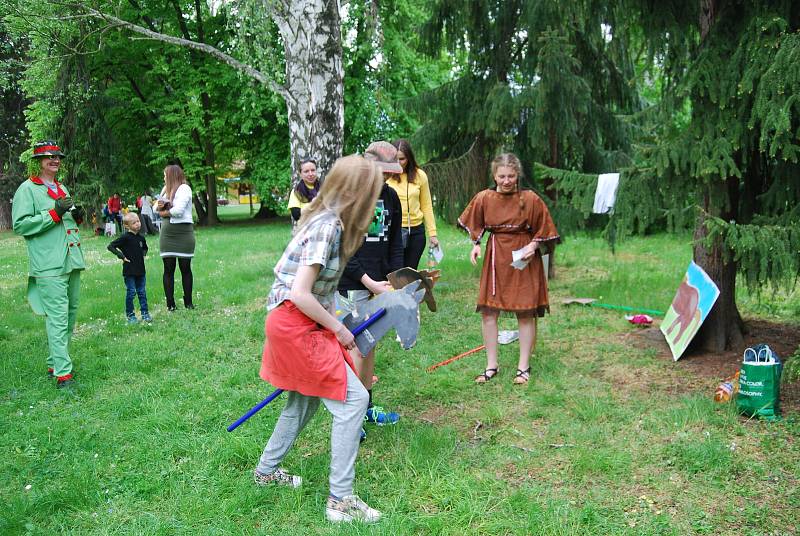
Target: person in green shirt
45	215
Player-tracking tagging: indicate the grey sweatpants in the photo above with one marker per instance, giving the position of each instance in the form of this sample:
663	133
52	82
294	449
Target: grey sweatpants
348	416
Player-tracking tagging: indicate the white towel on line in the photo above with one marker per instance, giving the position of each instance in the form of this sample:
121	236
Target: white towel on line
606	192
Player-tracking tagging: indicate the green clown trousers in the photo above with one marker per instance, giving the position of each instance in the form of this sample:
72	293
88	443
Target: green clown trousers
56	297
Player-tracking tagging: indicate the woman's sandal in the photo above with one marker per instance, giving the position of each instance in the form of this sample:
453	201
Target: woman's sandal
522	376
485	376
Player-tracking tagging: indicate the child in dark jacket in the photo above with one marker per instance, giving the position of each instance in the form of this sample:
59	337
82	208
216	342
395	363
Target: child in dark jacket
131	247
366	272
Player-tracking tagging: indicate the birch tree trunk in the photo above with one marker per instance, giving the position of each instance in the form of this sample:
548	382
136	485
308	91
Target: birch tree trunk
311	33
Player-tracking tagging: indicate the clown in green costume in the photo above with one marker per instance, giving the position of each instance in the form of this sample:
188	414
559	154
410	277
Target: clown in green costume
44	214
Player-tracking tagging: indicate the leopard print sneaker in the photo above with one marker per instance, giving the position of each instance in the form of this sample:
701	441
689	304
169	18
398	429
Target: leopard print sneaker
350	508
278	478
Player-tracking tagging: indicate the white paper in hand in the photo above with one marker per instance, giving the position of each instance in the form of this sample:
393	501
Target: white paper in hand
516	257
438	254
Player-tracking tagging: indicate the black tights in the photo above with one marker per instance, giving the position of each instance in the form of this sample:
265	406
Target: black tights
185	264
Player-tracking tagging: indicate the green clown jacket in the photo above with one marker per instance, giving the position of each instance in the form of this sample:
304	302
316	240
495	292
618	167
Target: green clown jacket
53	242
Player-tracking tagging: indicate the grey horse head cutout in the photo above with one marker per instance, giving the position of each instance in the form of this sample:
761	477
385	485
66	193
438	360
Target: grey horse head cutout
403	276
402	308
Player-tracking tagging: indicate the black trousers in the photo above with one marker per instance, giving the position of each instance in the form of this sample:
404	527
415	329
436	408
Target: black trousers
187	279
414	247
147	224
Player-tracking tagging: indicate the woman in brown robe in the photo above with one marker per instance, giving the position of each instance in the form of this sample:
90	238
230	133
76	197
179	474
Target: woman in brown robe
515	219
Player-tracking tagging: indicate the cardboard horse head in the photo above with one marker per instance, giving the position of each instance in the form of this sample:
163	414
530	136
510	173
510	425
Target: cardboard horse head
401	314
402	277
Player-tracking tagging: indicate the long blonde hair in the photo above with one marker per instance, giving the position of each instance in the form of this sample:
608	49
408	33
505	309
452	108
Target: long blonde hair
350	191
173	177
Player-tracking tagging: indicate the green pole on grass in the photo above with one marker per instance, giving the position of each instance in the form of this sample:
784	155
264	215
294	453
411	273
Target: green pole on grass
626	308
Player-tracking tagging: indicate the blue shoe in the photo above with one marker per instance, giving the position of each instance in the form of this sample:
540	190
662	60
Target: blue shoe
363	436
146	317
132	320
377	415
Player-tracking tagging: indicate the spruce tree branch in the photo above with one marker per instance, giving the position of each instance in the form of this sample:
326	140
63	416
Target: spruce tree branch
520	51
203	47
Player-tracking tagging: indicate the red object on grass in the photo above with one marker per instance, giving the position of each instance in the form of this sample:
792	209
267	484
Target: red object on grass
640	319
456	358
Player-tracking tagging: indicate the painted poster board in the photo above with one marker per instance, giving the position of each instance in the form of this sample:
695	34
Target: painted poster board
694	299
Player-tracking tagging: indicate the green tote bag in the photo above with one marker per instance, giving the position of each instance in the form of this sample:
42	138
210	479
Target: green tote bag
760	383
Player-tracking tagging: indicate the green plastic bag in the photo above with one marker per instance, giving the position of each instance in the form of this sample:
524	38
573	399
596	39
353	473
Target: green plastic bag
760	383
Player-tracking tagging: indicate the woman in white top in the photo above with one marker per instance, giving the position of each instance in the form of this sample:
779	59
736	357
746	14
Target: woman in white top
146	212
177	234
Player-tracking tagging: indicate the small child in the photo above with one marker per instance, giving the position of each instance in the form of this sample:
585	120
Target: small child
131	248
366	272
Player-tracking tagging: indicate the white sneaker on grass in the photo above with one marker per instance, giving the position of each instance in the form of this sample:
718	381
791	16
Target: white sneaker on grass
350	508
278	478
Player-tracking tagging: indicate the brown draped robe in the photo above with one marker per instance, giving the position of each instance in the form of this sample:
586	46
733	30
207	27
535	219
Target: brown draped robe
512	220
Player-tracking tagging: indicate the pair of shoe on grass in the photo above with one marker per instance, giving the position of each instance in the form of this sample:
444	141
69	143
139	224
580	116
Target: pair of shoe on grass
145	318
337	509
521	378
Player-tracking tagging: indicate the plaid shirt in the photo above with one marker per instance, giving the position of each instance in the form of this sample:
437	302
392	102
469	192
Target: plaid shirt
317	243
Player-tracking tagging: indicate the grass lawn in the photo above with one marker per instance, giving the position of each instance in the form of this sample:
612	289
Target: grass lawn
236	212
608	438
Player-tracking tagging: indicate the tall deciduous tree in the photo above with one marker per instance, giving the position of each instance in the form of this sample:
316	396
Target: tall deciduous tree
58	97
91	101
384	68
126	107
735	61
310	31
12	120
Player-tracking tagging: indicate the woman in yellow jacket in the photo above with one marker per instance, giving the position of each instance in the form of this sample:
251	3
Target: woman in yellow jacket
305	191
415	197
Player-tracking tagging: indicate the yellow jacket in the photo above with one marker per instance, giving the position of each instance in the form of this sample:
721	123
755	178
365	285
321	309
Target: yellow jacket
416	200
295	202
